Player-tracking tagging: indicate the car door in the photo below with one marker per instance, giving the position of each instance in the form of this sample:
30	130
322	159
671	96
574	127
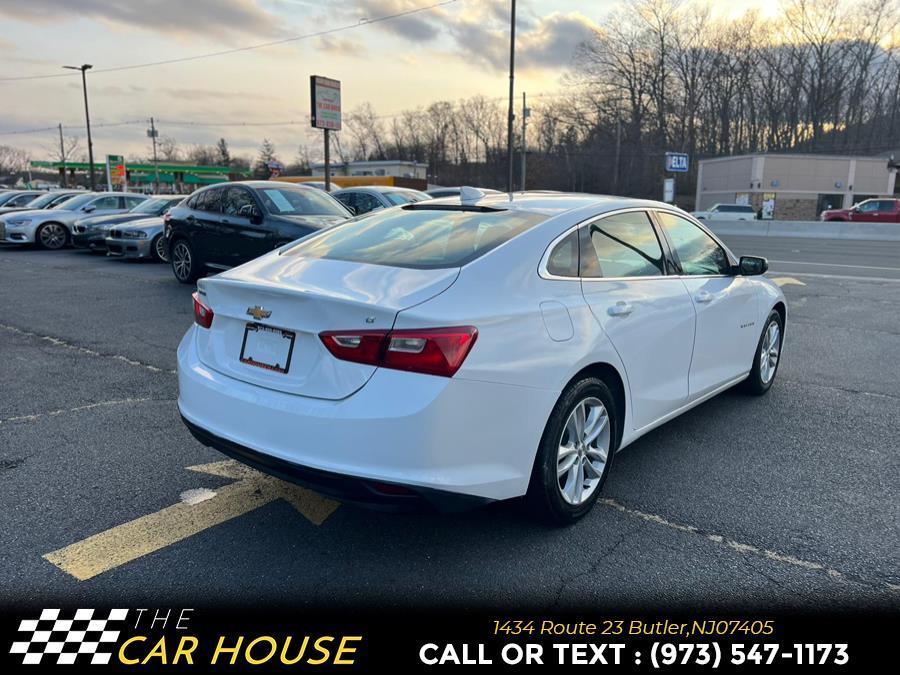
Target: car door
865	212
205	220
243	239
725	303
644	310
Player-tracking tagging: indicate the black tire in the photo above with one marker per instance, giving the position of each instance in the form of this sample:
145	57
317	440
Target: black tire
186	267
159	251
51	236
545	494
757	382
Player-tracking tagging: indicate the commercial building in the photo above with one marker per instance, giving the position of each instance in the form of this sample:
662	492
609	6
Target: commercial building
391	167
793	187
174	177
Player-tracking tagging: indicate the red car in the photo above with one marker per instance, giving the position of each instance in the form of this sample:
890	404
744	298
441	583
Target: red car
869	211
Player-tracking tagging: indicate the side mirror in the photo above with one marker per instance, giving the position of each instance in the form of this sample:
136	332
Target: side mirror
753	266
252	213
89	209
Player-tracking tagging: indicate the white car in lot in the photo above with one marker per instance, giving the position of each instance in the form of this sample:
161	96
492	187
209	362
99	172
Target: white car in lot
476	349
52	228
726	212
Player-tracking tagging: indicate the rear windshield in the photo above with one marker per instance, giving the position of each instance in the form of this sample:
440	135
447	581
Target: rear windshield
418	238
289	201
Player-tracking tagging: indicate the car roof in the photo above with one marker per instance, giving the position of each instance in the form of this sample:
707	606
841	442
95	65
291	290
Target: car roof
551	203
377	188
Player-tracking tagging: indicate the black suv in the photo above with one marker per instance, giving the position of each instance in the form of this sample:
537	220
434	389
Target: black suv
227	224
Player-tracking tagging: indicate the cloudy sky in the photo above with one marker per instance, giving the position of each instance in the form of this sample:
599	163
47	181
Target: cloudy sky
448	52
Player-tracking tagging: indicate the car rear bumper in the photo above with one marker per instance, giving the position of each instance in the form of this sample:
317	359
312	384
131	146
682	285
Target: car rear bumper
430	434
129	248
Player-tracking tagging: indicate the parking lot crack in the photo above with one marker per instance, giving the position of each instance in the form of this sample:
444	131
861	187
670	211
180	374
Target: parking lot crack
595	565
88	406
751	550
59	342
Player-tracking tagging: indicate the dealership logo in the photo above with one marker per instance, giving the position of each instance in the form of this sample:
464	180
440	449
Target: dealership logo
86	636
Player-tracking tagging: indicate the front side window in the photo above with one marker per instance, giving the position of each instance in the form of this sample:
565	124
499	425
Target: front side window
868	206
236	201
20	200
418	238
698	253
623	245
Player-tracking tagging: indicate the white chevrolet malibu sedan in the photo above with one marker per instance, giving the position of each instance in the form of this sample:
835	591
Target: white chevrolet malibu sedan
474	349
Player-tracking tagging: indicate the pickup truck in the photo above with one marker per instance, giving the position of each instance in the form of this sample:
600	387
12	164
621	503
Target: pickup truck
881	210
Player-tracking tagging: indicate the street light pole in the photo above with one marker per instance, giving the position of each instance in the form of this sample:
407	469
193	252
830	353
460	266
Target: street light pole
512	76
87	118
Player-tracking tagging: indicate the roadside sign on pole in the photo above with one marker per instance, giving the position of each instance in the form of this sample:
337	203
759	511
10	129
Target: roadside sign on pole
325	102
325	113
669	190
115	170
677	162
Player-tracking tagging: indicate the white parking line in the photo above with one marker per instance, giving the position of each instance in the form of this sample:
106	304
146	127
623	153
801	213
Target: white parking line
748	549
828	264
840	277
84	350
89	406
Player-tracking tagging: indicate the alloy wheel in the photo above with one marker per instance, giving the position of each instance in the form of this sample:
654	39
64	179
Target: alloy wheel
181	260
53	236
160	247
583	451
768	355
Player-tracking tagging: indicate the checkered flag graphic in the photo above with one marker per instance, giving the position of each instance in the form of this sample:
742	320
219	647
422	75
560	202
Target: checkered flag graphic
66	639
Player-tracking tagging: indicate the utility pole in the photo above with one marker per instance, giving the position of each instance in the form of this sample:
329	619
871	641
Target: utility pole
618	150
526	113
62	157
153	133
512	77
87	118
327	160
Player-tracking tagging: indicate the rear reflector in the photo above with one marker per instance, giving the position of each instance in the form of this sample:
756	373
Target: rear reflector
203	314
433	351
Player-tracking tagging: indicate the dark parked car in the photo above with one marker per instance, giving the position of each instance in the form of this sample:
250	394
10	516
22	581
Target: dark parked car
371	197
225	225
90	232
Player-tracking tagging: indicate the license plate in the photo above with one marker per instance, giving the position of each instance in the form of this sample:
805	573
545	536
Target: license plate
268	348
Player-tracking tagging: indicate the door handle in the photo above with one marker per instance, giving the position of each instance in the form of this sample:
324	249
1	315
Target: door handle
621	308
703	296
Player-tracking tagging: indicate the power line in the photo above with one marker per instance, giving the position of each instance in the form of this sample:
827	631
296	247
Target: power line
362	22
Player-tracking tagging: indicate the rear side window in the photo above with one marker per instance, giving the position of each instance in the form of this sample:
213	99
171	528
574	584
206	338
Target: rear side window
563	261
208	200
419	238
624	245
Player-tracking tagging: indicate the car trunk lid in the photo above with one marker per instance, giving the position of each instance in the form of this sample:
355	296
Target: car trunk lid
269	312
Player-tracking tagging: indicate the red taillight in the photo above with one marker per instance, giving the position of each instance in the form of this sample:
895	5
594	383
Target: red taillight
434	351
203	314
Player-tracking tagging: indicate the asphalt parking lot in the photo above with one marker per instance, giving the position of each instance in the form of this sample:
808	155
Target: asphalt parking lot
789	500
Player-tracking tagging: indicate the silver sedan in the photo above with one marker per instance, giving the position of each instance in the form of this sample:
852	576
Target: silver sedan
138	239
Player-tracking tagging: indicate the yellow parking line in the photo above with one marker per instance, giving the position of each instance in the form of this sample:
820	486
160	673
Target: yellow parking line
122	544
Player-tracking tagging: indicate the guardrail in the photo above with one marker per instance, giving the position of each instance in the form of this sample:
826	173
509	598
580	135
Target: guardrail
809	229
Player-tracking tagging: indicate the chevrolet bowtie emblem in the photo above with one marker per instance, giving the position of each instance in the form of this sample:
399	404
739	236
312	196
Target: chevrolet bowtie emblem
258	312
